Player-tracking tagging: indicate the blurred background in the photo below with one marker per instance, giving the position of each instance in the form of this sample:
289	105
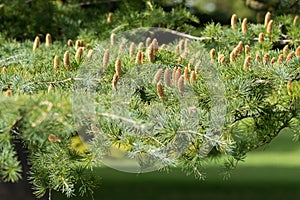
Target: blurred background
24	19
216	10
221	10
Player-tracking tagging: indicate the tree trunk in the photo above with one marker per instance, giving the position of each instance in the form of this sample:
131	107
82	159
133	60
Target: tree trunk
22	190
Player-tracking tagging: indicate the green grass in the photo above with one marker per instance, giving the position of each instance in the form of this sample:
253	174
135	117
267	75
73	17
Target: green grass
269	173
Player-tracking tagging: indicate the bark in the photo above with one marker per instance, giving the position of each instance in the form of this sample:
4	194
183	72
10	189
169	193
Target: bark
21	190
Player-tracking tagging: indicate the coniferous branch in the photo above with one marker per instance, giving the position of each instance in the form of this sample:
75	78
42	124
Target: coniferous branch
165	121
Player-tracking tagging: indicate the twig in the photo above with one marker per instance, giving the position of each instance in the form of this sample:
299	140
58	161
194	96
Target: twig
113	116
14	58
197	171
95	3
61	81
135	123
180	34
202	135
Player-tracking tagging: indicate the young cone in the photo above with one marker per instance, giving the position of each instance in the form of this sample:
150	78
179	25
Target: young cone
221	58
247	50
270	27
232	57
186	45
77	44
267	19
48	40
50	87
115	81
149	4
164	46
88	46
132	50
52	138
179	70
90	54
191	62
167	78
36	43
295	21
138	58
70	43
298	51
122	46
181	45
198	66
155	45
113	39
148	42
56	63
143	57
233	21
177	76
81	43
212	54
180	85
67	60
273	60
184	55
109	18
280	58
289	56
78	54
186	75
150	53
247	63
141	46
105	58
239	48
157	76
266	58
245	26
8	93
174	74
193	77
3	70
160	91
118	67
261	37
257	58
285	50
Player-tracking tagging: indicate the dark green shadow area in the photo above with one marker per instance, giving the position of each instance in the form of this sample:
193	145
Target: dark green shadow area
270	173
245	183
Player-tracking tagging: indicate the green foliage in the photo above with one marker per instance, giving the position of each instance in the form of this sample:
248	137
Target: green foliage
262	97
26	19
22	19
278	6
